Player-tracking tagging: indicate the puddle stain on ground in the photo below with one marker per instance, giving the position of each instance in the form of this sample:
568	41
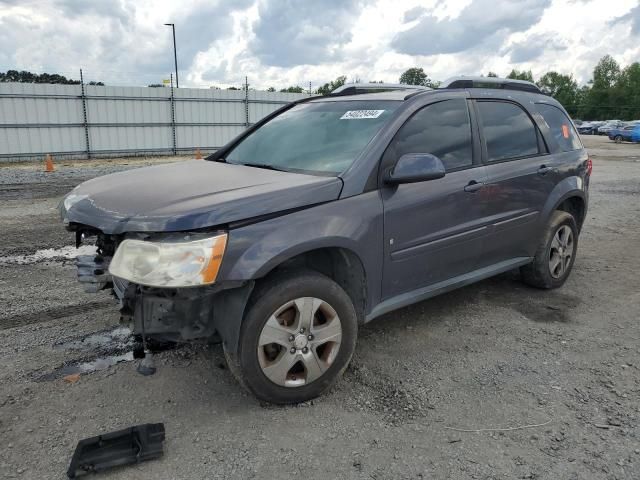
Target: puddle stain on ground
116	338
102	350
107	348
98	364
64	253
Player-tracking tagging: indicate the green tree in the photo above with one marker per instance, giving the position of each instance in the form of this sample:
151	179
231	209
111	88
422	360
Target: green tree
606	73
561	87
327	88
626	92
28	77
492	74
296	89
271	89
580	110
603	100
521	75
415	76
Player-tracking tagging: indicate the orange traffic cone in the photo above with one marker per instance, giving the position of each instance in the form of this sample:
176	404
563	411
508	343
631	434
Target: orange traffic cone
48	164
198	154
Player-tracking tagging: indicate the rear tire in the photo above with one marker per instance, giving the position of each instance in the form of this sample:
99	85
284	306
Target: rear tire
618	139
297	338
555	254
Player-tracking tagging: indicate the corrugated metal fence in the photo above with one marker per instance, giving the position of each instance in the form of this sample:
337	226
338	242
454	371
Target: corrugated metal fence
85	121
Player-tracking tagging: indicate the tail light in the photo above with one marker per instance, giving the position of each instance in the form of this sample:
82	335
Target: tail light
589	167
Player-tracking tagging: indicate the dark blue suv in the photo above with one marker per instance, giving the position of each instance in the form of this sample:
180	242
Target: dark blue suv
331	212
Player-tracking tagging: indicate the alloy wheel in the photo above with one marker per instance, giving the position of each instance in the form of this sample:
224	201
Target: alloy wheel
561	251
299	342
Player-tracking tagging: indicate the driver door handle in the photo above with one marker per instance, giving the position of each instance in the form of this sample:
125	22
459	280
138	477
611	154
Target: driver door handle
543	170
473	186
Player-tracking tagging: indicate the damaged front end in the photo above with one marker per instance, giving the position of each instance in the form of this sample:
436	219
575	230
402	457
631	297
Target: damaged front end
93	270
161	234
203	313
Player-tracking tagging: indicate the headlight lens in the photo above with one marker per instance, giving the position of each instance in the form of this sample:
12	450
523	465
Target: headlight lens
71	199
169	264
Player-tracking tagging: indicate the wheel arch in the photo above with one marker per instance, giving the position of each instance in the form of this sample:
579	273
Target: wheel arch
569	195
342	264
576	206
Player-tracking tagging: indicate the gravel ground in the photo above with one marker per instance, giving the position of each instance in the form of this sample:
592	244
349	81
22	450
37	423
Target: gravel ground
496	380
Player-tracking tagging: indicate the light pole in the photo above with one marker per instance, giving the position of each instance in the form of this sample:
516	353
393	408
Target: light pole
175	54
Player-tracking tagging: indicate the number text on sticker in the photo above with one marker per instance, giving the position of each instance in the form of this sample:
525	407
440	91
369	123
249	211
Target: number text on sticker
360	114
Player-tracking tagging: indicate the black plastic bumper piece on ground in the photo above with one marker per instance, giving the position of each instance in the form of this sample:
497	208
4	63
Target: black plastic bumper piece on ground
124	447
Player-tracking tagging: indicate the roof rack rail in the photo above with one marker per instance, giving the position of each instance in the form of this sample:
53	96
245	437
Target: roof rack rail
491	82
360	88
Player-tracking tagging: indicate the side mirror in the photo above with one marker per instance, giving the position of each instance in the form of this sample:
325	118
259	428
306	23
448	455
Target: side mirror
415	167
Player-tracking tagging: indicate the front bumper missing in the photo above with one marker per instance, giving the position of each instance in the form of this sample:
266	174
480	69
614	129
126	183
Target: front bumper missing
187	314
171	314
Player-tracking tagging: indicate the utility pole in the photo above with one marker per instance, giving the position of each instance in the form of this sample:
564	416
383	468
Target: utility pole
175	53
246	102
85	123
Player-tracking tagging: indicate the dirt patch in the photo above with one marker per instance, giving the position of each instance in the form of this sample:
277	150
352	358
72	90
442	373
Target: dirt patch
393	400
554	307
55	313
33	191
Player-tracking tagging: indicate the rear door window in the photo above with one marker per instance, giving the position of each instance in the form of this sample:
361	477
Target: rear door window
508	131
561	127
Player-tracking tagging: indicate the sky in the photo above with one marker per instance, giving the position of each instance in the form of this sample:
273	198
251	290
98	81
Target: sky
278	43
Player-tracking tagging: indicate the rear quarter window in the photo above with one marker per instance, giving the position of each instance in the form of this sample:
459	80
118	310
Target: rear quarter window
561	127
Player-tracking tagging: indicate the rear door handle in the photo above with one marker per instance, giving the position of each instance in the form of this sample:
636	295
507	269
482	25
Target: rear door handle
543	170
473	186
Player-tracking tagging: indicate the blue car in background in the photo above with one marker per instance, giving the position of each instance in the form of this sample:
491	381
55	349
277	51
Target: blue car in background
630	133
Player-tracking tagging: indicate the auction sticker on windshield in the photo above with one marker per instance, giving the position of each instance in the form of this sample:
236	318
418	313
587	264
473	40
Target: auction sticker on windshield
360	114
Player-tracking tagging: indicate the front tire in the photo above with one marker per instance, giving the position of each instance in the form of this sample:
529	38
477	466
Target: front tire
555	255
297	338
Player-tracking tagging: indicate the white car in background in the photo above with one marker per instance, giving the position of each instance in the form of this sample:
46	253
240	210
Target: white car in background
608	126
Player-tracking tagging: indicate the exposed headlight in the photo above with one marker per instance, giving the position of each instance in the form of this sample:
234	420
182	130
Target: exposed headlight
169	264
71	199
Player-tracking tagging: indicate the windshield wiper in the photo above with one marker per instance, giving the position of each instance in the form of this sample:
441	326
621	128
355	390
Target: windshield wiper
263	165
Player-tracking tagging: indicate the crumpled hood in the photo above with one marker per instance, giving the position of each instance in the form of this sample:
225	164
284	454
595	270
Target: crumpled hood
191	194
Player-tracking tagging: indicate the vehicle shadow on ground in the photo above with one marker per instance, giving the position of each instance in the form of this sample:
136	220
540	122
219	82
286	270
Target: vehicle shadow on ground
505	290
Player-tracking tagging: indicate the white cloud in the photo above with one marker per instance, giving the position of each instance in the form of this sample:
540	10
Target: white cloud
282	43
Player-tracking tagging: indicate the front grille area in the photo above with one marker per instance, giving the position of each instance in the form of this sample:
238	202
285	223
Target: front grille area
93	272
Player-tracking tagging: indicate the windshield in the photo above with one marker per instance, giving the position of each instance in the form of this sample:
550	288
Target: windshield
320	138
